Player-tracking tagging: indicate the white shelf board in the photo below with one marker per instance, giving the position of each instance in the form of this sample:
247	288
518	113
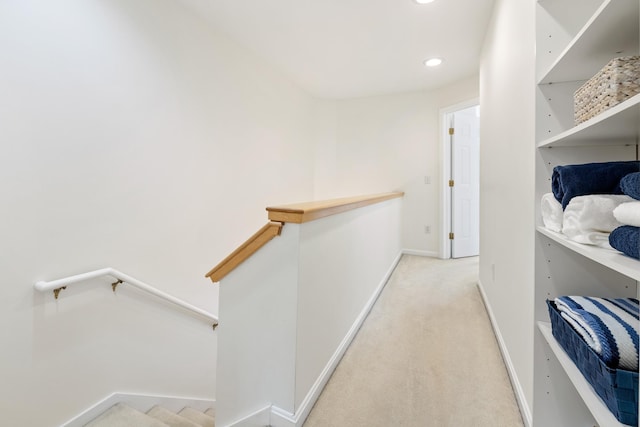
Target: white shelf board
607	257
619	124
596	406
611	32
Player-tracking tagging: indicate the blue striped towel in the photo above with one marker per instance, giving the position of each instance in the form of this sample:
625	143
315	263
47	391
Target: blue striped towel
609	326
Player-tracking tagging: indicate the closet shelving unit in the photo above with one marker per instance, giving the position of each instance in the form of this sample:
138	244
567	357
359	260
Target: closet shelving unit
574	40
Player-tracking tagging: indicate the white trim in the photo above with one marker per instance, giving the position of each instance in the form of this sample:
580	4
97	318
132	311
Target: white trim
525	411
430	254
44	286
141	402
445	170
460	106
282	418
259	418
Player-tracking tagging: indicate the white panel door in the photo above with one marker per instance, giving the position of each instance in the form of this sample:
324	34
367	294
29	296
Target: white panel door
465	193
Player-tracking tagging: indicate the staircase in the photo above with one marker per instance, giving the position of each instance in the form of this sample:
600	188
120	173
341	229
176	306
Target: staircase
121	415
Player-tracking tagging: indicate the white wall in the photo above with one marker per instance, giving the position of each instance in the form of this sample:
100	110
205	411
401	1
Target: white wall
128	130
507	96
344	261
288	313
387	143
133	137
257	354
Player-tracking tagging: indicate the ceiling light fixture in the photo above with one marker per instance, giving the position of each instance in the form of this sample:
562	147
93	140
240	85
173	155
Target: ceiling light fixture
423	1
433	62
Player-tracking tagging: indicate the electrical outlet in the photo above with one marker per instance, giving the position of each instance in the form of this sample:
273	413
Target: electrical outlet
427	229
427	180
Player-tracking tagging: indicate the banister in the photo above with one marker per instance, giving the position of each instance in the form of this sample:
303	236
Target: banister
309	211
297	213
244	251
58	284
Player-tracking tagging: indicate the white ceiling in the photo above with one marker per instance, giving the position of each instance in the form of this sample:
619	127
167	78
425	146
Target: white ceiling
353	48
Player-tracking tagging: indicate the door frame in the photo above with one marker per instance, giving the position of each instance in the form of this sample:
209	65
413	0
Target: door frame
445	170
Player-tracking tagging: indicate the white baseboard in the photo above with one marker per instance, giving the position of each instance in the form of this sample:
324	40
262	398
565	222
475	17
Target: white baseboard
282	418
513	377
429	254
260	418
140	402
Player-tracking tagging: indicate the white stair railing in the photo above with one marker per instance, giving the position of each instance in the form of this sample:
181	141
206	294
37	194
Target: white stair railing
57	285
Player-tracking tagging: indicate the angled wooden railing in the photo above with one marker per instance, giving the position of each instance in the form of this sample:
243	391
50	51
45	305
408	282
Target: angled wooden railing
248	248
296	213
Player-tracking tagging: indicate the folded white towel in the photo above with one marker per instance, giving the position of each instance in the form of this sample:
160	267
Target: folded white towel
590	220
551	212
628	213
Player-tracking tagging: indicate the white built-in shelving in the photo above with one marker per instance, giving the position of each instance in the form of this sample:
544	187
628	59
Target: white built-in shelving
618	125
609	30
574	40
606	257
599	410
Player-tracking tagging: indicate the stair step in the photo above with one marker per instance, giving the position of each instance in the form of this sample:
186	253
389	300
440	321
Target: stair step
170	418
197	417
121	415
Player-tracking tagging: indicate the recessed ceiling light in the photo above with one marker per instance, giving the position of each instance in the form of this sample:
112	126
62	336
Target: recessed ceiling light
433	62
423	1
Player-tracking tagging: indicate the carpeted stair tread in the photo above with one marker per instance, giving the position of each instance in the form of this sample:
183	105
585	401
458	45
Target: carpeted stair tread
197	417
121	415
170	418
211	412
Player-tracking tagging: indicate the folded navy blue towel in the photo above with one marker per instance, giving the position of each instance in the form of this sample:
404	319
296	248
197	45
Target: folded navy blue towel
630	185
626	239
590	178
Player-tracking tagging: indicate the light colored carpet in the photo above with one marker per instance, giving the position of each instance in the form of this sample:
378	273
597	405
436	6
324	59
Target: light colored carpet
197	417
426	356
170	418
121	415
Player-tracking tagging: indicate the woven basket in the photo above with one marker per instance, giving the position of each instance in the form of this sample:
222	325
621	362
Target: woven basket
616	387
618	81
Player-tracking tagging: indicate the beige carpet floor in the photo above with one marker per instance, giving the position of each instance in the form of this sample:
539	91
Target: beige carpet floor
425	356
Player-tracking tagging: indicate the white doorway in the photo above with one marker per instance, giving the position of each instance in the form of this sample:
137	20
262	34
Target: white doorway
461	181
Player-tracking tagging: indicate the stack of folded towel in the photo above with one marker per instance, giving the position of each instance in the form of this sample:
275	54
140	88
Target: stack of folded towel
570	181
609	326
596	204
626	238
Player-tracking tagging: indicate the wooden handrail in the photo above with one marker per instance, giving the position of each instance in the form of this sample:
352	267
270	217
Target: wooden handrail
297	213
244	251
